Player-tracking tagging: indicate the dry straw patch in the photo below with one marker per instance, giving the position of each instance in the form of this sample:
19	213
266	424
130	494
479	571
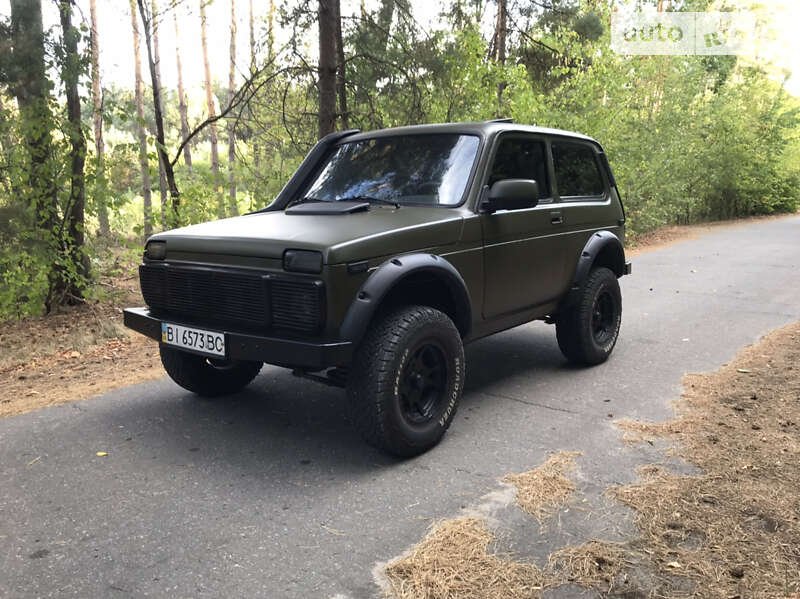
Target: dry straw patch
453	561
544	489
593	564
735	529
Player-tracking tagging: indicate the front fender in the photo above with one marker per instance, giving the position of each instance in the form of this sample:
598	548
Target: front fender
388	275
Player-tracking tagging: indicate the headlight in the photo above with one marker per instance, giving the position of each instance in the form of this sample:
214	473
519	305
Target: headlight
156	250
302	261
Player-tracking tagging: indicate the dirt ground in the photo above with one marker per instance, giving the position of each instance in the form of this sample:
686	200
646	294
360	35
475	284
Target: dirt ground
85	350
79	352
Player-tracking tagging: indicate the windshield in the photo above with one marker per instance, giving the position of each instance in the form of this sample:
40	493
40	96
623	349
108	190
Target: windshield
406	169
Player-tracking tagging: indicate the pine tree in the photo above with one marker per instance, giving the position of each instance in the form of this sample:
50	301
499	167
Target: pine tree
141	134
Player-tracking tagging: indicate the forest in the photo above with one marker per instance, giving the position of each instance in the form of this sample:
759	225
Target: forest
89	168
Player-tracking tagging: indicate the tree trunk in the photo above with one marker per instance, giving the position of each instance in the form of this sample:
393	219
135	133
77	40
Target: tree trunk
271	31
231	133
161	149
69	284
385	16
501	29
211	113
141	135
7	144
97	117
254	139
31	88
327	66
187	151
162	176
341	66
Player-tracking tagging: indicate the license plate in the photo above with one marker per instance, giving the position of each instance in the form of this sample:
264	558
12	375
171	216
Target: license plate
205	342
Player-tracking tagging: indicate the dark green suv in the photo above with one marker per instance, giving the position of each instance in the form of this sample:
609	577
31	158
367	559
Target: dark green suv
382	256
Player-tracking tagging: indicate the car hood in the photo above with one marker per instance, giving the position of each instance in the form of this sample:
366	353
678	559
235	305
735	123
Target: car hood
379	231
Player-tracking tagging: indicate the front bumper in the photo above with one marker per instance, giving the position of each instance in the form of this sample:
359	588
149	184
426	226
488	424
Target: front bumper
292	353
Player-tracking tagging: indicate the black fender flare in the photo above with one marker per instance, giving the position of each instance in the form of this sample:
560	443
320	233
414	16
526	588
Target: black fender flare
380	283
599	242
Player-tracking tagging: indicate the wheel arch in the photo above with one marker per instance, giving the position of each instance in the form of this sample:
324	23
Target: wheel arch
603	248
424	279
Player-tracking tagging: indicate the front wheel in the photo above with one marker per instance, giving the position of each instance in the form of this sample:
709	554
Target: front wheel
207	376
588	330
406	380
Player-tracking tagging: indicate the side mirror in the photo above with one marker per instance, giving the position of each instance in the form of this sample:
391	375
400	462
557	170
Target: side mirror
511	194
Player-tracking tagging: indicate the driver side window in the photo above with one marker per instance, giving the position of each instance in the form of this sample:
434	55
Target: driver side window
519	158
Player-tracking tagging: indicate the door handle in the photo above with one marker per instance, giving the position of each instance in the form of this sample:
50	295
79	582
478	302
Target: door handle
556	218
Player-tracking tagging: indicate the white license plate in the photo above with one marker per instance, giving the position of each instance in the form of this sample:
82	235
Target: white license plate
206	342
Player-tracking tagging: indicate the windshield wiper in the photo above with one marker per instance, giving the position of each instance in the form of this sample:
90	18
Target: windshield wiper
371	200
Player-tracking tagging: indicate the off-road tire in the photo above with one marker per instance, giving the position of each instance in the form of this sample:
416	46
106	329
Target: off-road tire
583	336
384	385
204	376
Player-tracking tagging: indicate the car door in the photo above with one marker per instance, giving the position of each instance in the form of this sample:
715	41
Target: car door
524	260
583	194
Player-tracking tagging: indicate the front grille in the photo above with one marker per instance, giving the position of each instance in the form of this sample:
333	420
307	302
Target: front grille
226	296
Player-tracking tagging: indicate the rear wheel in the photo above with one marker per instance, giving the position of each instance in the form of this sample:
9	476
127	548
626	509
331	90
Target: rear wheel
406	380
588	330
208	377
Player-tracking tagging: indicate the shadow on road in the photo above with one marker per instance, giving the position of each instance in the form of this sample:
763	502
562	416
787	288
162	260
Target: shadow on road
282	422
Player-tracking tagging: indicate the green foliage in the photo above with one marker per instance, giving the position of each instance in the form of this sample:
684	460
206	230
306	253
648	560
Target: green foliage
690	138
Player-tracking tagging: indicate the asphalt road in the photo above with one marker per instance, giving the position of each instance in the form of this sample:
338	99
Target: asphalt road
271	494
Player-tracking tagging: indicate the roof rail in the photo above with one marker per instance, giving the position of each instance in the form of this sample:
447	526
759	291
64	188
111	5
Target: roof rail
503	120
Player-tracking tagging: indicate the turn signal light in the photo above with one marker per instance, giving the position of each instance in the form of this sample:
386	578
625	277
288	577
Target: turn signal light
302	261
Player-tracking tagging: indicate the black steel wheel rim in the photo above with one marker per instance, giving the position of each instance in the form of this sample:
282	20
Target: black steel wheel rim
604	318
423	383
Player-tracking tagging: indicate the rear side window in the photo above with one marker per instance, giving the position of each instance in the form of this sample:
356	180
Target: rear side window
576	169
519	158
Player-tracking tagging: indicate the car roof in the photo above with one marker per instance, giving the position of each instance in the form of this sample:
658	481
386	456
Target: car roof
481	128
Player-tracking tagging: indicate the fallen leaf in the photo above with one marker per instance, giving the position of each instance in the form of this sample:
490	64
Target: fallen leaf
742	370
101	454
674	565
